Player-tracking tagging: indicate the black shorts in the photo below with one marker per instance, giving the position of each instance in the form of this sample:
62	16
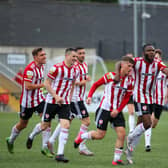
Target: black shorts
79	109
50	110
103	117
131	100
26	113
157	110
142	108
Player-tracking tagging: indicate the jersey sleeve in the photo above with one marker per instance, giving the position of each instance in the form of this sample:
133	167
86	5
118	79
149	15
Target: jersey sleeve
109	77
161	66
53	72
28	75
95	85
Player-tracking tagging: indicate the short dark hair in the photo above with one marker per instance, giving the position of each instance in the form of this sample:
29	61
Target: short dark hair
36	50
129	59
69	50
146	45
79	48
159	51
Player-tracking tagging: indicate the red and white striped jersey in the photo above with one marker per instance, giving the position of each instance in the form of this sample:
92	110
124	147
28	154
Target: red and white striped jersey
35	75
116	96
145	80
62	77
79	91
161	89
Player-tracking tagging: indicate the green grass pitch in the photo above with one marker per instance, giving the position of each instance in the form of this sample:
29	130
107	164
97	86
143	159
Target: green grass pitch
103	149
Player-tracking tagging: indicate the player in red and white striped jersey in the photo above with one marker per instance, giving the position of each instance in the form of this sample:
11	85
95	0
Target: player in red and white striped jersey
116	96
78	107
59	84
34	75
160	95
146	70
32	98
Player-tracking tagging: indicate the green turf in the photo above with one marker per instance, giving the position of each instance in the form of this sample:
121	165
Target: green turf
103	149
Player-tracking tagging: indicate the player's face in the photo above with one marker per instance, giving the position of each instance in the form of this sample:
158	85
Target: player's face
149	53
41	57
126	68
72	57
158	57
81	55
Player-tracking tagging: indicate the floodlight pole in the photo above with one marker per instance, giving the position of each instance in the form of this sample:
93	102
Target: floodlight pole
143	22
135	28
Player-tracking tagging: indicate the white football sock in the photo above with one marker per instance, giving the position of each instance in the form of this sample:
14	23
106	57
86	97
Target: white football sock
55	134
148	134
117	154
45	137
131	122
37	129
86	135
83	129
14	133
63	137
135	135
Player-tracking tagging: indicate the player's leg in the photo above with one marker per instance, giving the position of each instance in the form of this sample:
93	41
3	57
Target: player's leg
48	114
144	122
64	117
131	118
80	110
102	118
156	115
119	126
25	114
119	146
53	138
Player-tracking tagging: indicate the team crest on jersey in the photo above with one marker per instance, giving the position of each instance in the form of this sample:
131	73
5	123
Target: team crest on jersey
29	74
109	76
47	115
100	122
83	112
52	70
144	108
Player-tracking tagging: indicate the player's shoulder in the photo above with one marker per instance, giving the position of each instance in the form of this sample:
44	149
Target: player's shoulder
110	75
30	66
60	64
138	59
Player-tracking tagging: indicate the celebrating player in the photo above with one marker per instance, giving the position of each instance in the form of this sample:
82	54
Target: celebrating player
59	84
116	96
32	98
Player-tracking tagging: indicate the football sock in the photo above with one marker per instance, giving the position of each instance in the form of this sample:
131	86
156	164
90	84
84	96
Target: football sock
45	137
136	134
148	134
63	137
86	135
83	129
37	129
55	134
131	122
117	154
14	133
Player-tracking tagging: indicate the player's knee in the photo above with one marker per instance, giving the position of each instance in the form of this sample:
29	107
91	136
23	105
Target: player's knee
154	125
147	126
100	135
44	127
86	121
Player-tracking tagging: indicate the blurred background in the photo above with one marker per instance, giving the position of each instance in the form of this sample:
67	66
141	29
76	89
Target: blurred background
108	29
